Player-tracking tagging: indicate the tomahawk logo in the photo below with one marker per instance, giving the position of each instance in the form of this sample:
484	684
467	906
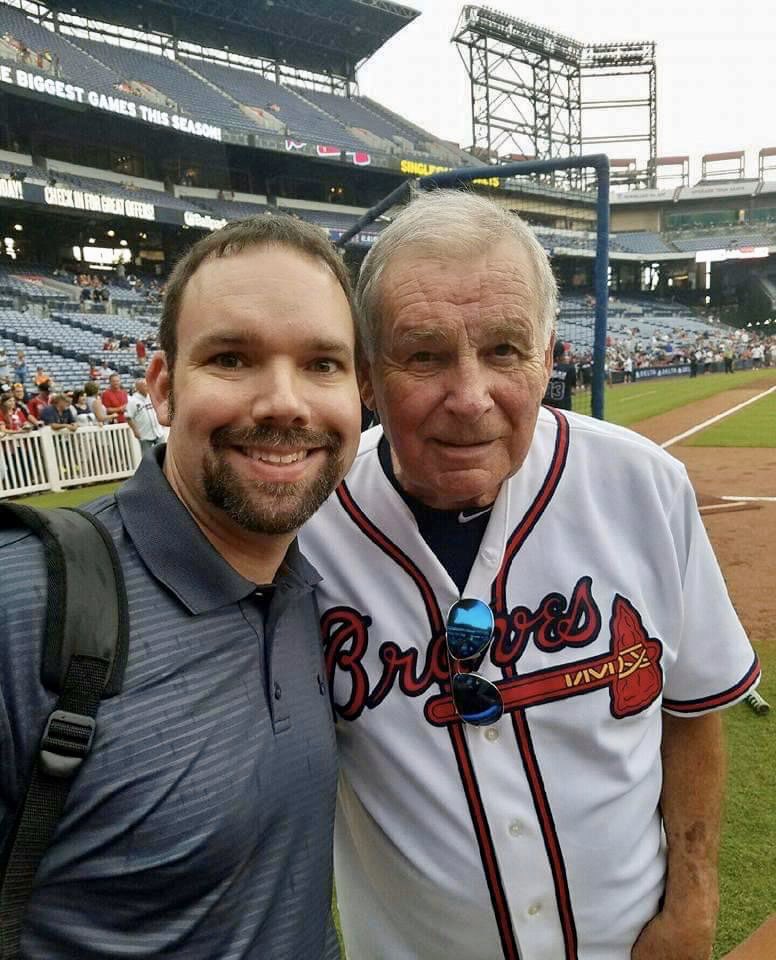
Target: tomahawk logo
630	670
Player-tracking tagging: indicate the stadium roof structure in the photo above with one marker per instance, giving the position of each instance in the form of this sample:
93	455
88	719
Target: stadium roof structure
323	37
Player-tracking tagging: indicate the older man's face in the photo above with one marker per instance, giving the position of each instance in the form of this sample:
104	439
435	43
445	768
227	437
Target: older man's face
459	373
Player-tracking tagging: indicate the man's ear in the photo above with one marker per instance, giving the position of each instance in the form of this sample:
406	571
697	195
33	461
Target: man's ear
548	355
159	379
365	386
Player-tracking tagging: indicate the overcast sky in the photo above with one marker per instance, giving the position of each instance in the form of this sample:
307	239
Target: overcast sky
716	68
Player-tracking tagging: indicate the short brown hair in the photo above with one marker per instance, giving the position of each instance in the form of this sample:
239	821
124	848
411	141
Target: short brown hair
239	235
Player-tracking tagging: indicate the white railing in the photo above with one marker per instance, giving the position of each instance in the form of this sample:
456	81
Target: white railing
54	460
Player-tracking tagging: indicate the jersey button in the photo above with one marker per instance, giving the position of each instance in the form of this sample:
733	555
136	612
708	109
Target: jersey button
491	734
515	828
534	909
278	691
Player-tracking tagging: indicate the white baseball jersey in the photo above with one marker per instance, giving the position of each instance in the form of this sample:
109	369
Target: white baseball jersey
538	837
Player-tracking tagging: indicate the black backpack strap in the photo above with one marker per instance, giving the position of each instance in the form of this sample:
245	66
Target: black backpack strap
86	646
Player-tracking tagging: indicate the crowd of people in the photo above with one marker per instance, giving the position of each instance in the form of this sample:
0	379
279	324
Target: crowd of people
22	411
706	352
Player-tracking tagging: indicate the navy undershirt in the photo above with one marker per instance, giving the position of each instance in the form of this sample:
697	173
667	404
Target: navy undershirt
453	535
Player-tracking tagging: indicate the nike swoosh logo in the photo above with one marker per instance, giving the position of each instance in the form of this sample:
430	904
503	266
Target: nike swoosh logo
462	518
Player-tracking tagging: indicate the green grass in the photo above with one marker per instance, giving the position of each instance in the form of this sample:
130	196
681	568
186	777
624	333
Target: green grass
631	403
747	877
69	498
754	426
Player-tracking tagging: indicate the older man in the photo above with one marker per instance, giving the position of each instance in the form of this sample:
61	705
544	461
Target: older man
200	825
509	651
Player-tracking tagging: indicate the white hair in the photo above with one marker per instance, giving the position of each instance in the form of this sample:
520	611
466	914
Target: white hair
457	224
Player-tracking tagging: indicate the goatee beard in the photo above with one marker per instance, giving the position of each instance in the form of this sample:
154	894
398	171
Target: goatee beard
265	506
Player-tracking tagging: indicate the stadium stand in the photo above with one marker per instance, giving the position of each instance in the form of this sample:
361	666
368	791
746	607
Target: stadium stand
127	190
295	116
180	89
720	241
351	112
231	209
641	241
29	284
424	141
43	51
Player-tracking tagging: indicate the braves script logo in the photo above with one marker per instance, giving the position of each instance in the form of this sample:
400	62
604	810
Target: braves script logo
630	670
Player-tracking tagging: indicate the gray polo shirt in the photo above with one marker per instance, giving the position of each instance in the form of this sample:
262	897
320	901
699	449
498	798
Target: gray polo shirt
200	826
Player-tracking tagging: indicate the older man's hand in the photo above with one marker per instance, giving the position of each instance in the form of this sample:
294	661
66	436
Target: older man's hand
667	937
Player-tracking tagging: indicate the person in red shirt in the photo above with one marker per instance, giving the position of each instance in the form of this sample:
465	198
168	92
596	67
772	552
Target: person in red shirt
40	400
140	350
115	400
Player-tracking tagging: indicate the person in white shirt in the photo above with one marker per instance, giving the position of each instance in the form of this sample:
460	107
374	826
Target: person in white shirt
141	417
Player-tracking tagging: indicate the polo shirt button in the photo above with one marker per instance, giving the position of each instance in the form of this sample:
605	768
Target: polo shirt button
491	734
515	828
321	686
534	909
278	691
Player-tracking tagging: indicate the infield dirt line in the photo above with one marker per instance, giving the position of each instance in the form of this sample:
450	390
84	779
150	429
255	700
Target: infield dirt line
720	416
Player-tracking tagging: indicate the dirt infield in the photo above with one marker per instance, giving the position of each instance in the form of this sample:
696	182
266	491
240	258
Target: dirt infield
744	540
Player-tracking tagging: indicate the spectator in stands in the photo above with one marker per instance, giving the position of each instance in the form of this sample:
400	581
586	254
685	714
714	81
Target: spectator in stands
20	368
94	404
142	419
13	417
727	356
20	396
40	400
41	377
140	352
86	295
80	409
5	370
115	399
627	369
58	414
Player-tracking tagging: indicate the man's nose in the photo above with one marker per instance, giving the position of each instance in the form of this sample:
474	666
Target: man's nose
468	392
279	395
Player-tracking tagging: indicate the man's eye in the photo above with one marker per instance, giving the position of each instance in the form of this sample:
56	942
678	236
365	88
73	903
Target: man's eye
325	365
227	361
505	350
423	356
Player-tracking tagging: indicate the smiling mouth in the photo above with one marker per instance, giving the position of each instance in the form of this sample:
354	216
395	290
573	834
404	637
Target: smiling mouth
267	456
464	446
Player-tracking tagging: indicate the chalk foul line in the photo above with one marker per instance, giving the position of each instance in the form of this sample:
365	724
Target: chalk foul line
720	416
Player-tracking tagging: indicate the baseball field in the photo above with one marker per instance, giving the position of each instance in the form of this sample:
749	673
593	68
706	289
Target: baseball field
731	460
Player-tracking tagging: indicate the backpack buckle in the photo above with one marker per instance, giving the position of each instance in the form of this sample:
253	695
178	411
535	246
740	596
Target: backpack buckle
65	743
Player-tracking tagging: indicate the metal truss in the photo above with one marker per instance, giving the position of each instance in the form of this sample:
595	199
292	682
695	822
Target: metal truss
528	87
628	74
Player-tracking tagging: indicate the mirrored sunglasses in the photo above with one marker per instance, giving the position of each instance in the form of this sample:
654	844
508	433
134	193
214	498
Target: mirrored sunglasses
470	631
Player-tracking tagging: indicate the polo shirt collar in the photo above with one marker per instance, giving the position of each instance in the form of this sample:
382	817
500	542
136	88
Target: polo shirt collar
180	556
